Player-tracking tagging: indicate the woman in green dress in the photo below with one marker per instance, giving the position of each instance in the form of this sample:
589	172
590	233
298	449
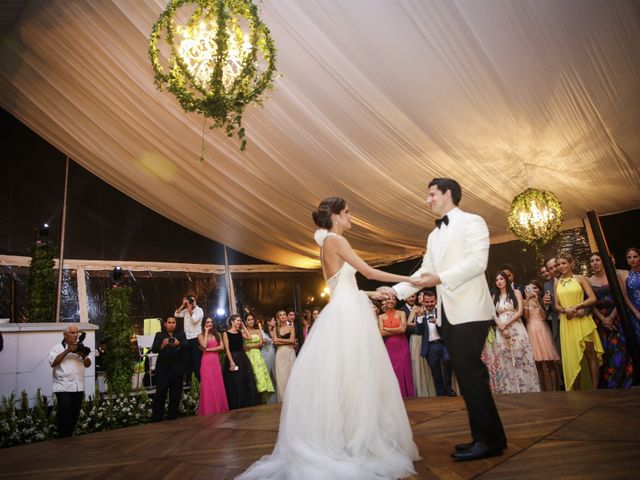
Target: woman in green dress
579	339
252	347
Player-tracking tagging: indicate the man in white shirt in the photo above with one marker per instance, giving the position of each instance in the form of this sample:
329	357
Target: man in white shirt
192	315
434	349
68	363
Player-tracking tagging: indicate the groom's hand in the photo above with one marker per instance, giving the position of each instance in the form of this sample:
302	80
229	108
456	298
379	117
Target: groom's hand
429	280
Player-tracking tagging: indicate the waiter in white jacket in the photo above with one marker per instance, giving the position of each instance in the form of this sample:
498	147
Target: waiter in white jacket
455	262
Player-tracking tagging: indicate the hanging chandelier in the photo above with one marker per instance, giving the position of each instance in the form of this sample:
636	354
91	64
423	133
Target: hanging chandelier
535	217
215	56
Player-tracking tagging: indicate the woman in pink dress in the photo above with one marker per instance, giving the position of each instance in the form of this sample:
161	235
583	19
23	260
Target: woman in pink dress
393	325
544	350
213	398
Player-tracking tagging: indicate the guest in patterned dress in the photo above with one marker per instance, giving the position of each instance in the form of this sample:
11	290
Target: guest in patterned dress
617	367
260	370
393	325
540	337
268	352
514	369
630	283
578	333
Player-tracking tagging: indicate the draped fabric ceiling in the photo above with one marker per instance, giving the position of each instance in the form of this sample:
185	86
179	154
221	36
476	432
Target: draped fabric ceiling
376	97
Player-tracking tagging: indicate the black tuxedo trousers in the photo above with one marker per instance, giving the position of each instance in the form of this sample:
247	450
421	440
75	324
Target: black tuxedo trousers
465	342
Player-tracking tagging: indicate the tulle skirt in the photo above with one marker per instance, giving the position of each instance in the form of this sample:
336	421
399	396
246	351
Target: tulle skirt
541	341
343	416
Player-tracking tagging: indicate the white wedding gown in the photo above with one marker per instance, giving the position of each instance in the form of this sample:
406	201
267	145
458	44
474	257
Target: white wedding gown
343	415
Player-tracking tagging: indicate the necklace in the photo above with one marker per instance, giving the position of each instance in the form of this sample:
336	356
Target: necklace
564	281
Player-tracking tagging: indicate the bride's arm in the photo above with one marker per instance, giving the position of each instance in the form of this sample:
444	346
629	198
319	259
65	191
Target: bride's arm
341	247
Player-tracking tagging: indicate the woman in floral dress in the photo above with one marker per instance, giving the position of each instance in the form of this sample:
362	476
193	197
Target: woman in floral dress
509	359
630	282
616	370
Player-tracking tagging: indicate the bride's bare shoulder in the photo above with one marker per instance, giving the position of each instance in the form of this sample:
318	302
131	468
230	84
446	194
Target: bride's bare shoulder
335	239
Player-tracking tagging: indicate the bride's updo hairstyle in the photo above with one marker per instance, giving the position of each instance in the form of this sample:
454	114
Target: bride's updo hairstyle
322	214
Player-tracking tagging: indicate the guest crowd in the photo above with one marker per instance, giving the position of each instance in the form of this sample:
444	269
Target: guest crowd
559	331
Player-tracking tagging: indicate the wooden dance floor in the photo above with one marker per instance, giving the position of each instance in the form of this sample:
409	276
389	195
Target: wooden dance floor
553	435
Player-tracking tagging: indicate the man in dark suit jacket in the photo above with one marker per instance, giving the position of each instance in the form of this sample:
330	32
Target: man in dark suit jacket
172	349
434	349
409	303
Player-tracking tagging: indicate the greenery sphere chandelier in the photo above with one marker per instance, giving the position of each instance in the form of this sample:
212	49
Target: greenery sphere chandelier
216	57
535	217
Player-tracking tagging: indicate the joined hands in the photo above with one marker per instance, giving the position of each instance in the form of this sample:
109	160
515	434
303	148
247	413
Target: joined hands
424	280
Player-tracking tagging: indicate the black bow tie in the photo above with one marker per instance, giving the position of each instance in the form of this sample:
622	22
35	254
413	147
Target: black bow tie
440	221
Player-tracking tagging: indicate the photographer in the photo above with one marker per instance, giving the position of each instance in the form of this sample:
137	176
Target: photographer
434	349
173	350
68	360
192	315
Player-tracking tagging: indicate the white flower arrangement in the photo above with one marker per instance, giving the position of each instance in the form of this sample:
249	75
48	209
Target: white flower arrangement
27	425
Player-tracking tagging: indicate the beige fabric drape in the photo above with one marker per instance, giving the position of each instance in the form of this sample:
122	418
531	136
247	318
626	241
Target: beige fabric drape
376	98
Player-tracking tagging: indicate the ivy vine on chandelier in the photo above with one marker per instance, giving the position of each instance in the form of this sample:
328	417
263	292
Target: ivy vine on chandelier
216	57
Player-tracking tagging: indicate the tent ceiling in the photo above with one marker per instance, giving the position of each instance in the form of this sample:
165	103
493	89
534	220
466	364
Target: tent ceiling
376	98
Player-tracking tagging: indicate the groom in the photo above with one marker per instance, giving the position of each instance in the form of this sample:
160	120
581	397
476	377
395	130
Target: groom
455	262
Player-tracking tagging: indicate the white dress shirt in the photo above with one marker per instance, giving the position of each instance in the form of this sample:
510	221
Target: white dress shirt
68	376
433	330
192	321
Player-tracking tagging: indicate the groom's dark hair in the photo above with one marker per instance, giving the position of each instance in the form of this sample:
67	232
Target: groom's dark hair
450	184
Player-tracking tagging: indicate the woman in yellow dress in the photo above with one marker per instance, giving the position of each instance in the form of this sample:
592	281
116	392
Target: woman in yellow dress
260	370
579	337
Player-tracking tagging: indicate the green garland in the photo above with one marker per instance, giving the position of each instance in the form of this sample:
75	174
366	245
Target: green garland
527	205
41	284
117	336
223	104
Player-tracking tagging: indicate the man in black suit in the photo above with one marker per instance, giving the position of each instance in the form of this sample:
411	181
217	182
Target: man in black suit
172	349
434	349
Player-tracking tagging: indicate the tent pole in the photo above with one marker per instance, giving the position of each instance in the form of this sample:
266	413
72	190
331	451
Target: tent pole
62	233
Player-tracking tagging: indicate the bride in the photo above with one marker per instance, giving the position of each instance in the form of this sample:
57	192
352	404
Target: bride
342	415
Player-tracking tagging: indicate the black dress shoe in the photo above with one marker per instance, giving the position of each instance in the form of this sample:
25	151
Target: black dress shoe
465	446
477	451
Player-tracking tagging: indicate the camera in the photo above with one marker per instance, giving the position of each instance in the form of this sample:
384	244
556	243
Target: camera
431	318
82	350
171	340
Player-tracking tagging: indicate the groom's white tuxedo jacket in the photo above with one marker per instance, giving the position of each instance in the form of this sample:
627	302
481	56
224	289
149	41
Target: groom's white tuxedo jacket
458	253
